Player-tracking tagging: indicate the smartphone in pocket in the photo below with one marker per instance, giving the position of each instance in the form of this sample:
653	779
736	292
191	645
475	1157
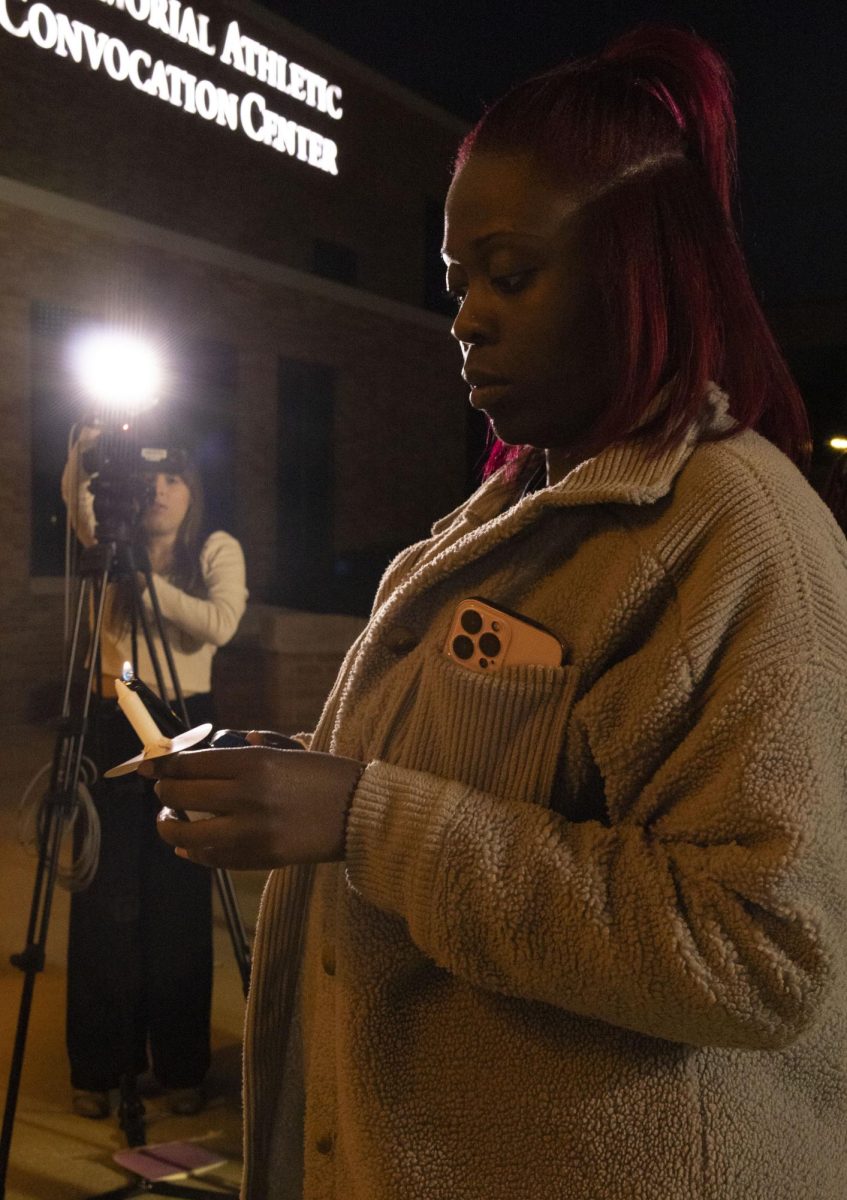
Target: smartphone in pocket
484	637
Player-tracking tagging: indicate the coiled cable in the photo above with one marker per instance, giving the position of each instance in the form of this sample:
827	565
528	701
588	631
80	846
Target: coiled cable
33	814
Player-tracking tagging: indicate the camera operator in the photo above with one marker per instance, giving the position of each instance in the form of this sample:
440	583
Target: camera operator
140	939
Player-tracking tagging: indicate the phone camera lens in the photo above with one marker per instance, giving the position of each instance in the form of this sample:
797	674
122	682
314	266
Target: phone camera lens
471	621
462	647
489	644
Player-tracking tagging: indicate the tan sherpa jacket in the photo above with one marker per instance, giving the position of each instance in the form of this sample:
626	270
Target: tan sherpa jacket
589	940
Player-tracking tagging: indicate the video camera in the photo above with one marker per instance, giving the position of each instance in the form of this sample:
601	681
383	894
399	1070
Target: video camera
123	464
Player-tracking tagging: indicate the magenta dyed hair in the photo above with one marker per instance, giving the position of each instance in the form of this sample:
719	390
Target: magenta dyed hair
644	134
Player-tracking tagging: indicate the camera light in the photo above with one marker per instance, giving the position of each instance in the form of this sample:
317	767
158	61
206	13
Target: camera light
118	371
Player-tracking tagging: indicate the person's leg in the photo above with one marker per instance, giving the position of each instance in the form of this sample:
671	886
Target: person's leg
178	953
106	1026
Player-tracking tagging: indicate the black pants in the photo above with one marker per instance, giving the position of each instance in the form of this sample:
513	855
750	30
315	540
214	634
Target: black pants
140	938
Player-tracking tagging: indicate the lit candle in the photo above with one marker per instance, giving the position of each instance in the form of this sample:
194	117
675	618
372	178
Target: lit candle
132	706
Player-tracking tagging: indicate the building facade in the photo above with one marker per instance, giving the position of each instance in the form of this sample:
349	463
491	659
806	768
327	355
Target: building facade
266	212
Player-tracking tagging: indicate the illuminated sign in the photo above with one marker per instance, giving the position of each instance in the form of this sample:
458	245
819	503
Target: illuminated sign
248	113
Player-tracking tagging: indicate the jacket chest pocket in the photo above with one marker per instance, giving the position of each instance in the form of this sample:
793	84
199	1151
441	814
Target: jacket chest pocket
500	733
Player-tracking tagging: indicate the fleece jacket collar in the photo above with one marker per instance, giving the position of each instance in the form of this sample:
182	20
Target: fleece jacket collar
622	474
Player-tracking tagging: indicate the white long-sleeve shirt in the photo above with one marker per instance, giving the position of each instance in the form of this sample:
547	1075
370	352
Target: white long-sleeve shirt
194	626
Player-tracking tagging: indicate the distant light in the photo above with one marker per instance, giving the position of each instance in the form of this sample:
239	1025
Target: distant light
838	443
118	371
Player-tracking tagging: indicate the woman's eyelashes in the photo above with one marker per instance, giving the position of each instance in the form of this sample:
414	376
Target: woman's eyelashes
506	285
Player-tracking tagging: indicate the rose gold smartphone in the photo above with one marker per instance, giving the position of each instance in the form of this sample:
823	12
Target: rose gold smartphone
484	638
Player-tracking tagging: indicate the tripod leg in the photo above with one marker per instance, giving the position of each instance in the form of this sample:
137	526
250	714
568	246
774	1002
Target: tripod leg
131	1111
235	925
61	802
223	880
30	961
141	615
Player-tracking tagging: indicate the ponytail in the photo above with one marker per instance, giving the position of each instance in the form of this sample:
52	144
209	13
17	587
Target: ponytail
693	83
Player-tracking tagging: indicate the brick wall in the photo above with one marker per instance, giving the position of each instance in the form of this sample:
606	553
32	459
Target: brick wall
400	407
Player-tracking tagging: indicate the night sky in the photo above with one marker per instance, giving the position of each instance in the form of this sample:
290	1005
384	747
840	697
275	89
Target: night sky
788	59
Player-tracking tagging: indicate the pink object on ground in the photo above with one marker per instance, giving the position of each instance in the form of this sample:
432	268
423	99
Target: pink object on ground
167	1160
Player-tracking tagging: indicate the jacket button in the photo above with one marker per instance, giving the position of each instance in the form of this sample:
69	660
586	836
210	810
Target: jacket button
400	640
324	1144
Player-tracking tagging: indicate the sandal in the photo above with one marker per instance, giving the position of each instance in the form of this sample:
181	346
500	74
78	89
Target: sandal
93	1105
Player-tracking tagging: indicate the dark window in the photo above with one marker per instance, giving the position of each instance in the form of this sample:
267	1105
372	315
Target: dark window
203	419
196	413
54	410
334	261
305	567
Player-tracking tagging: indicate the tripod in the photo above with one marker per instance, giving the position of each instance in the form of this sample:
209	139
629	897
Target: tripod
112	556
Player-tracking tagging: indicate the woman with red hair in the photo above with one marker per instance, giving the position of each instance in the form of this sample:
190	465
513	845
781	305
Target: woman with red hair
579	927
